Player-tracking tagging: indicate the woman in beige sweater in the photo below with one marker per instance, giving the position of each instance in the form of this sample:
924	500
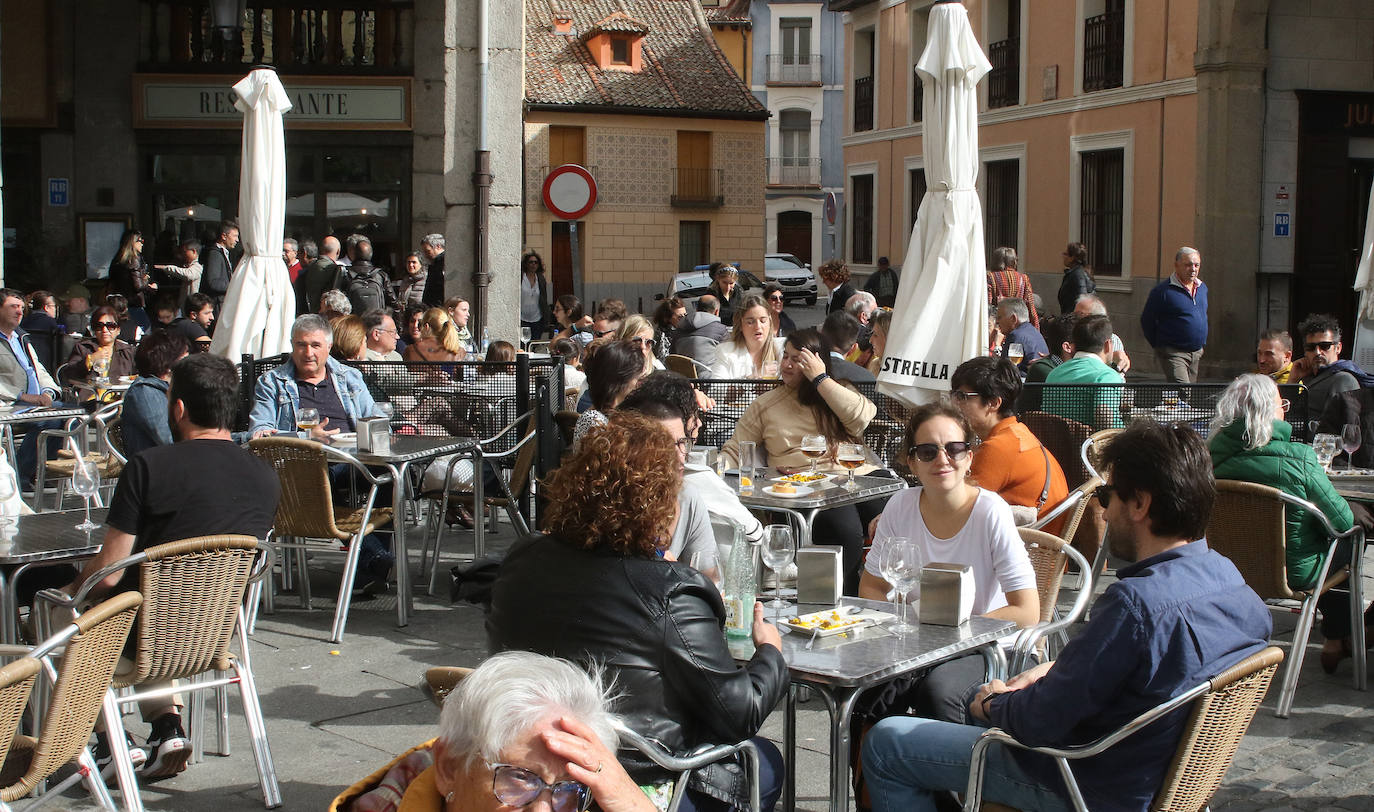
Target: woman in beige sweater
811	402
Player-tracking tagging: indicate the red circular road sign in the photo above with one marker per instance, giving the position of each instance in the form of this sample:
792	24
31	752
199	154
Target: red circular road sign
570	192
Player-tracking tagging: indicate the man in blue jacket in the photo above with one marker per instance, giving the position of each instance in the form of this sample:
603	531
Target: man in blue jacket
1175	318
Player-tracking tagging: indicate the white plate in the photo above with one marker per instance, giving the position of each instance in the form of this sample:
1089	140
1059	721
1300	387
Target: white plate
802	490
862	618
344	438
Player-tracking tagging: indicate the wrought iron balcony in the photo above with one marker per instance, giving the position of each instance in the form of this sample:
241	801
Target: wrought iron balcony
794	171
697	188
863	104
794	69
314	36
1104	49
1004	82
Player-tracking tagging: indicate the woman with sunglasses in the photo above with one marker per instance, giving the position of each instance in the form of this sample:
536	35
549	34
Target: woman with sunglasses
953	521
772	293
1250	440
103	348
519	728
594	587
639	331
129	277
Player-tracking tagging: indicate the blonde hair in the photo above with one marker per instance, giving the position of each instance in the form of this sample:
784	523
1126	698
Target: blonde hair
633	326
770	347
441	327
350	337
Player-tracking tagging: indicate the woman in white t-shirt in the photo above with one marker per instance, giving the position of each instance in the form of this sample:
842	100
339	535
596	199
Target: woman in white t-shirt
954	522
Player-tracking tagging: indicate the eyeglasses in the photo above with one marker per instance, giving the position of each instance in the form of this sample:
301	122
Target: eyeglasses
961	396
927	452
1285	405
684	445
640	342
1104	495
518	787
106	325
775	298
1318	345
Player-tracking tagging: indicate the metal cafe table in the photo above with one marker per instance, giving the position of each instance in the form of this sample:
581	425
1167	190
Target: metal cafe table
841	668
824	495
41	539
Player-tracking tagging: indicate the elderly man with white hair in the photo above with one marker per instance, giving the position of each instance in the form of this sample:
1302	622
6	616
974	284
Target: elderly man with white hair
1090	305
310	379
1174	319
861	306
1013	321
432	246
518	726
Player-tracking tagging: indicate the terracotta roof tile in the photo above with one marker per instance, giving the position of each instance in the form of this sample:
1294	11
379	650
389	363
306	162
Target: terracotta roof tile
734	12
618	22
683	71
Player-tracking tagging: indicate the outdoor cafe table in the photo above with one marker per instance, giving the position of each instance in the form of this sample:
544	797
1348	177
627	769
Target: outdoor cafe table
406	450
41	539
12	414
840	668
824	495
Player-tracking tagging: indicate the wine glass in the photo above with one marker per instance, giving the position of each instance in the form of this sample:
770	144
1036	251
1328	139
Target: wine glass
1325	447
1312	426
900	563
85	481
1350	441
525	336
778	551
306	421
746	467
704	562
814	447
770	370
7	492
1015	352
851	456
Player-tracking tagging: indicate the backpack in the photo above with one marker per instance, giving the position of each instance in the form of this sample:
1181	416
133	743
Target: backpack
366	291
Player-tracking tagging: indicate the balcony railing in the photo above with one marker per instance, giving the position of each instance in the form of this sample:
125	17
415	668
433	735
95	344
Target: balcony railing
918	95
794	69
863	104
1004	82
697	188
1104	48
322	37
794	171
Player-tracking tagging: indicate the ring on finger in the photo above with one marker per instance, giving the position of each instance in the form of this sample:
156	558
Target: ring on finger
598	766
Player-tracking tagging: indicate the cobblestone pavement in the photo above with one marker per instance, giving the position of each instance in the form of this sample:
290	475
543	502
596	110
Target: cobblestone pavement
337	712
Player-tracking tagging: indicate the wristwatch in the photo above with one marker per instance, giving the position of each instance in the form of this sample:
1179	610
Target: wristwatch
816	381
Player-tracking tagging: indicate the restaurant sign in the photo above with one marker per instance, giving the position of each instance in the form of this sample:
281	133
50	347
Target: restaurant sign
317	102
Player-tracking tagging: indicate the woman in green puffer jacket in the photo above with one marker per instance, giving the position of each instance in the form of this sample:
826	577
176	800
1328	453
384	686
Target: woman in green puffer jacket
1251	441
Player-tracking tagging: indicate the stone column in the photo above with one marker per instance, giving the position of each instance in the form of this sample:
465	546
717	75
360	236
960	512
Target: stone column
1230	64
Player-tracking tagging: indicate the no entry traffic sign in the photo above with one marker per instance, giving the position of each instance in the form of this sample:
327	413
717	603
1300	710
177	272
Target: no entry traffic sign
570	192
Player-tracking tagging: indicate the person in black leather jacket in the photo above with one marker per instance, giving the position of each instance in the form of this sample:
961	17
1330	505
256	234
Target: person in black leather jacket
594	589
1078	280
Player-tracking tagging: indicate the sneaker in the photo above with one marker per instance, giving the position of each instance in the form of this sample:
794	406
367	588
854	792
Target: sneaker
104	758
168	748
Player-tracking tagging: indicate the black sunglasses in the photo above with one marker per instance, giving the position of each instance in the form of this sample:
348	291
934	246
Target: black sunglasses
106	325
927	452
518	787
1104	495
1319	345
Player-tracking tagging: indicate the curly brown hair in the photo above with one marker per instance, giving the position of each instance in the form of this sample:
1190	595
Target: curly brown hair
834	273
618	490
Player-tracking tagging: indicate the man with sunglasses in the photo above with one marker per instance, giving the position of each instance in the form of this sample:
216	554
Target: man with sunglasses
1178	615
1321	370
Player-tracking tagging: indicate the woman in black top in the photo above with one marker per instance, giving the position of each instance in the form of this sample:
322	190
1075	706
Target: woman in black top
835	275
129	277
1078	280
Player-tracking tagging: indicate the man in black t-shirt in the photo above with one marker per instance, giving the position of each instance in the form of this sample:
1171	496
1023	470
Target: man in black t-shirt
202	485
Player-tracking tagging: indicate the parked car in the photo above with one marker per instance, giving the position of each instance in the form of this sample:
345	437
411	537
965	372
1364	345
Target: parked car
694	283
796	279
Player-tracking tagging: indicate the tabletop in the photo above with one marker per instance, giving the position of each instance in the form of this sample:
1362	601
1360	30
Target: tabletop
1357	485
26	414
50	536
874	654
827	494
414	447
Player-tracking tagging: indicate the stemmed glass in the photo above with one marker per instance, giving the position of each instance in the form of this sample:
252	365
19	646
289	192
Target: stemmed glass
7	492
1312	430
814	447
1350	441
778	551
851	456
85	481
307	420
1325	447
525	337
1015	352
900	562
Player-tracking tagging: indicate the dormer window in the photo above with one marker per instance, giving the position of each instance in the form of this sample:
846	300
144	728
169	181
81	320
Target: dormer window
616	42
620	50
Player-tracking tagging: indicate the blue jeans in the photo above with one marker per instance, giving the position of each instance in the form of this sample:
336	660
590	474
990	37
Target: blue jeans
908	760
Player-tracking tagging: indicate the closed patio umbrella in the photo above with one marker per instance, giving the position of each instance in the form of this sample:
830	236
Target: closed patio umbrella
940	319
1364	276
260	304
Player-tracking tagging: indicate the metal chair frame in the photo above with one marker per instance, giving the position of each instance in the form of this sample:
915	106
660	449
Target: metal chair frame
240	665
1027	646
699	757
77	438
1259	666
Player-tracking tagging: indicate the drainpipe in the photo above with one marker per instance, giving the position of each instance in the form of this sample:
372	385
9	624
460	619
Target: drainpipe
481	179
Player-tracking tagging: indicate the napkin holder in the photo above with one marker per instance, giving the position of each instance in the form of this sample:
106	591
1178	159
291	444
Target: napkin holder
374	435
820	575
946	593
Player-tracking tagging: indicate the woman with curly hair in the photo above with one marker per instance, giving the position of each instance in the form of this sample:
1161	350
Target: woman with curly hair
439	339
534	295
594	589
1078	277
835	276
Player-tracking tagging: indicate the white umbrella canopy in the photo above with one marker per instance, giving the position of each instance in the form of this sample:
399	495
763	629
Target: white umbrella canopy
1364	276
940	319
260	304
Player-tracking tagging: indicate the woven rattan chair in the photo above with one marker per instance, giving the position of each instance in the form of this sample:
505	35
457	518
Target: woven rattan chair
682	365
1048	554
307	518
192	610
1090	454
108	458
89	650
16	684
521	454
1222	709
1247	526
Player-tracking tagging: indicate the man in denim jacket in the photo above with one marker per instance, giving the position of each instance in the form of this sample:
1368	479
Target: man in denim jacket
310	379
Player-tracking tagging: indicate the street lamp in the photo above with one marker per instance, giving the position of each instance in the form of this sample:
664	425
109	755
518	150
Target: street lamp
226	17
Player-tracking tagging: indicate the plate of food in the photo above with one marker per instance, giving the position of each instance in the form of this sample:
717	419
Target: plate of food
839	620
803	478
786	490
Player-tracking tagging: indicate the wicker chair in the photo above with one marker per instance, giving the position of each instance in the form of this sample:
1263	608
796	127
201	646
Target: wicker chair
521	454
108	458
682	365
1090	454
1247	526
192	610
1222	709
87	653
1048	554
307	512
16	684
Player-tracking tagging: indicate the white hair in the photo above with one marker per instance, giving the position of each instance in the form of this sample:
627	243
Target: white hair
861	304
433	240
1250	398
336	300
312	323
1097	307
1185	251
1016	306
500	701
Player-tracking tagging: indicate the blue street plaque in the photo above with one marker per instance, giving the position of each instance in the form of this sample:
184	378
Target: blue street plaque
1280	224
57	191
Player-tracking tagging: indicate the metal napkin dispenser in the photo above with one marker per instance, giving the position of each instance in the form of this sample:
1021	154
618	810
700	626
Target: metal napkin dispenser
946	593
374	435
820	575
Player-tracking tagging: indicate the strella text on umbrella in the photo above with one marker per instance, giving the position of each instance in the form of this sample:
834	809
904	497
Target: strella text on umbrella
916	369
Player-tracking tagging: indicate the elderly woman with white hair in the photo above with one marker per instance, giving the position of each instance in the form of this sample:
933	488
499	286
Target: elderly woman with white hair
519	726
1252	442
